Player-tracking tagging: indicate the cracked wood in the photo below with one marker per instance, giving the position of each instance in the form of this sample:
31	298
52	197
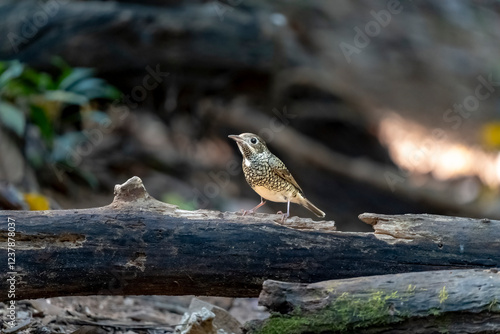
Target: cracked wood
139	246
452	301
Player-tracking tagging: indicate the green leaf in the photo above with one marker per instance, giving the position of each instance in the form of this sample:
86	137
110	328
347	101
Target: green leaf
12	117
15	89
39	117
94	88
77	74
63	66
64	96
14	70
41	80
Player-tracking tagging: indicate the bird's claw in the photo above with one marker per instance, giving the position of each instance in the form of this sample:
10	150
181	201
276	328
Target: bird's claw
247	212
284	216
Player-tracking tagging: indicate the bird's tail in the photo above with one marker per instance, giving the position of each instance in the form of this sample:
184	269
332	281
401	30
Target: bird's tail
311	207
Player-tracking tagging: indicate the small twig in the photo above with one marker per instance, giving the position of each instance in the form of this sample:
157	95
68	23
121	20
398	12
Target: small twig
20	326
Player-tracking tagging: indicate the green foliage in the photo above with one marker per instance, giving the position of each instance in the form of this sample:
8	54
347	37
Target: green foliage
345	313
493	305
176	199
40	98
28	96
411	288
443	295
12	117
435	311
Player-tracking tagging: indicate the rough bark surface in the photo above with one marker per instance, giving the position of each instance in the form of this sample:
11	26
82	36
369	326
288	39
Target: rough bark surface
453	301
417	293
138	245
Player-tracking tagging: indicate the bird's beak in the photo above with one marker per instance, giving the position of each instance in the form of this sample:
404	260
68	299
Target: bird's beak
236	138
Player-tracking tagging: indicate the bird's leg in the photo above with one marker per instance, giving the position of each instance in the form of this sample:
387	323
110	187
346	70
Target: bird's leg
262	202
285	215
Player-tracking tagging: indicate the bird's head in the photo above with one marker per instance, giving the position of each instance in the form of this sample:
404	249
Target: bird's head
249	144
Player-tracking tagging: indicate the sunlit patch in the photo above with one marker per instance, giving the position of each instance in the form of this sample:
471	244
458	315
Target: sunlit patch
420	150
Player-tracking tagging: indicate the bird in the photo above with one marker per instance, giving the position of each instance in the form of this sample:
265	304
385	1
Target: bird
268	175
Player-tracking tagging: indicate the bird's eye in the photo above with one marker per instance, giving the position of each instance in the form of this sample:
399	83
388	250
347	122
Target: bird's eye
253	140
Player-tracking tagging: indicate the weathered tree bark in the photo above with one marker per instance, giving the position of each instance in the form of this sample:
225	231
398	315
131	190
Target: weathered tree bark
138	245
454	301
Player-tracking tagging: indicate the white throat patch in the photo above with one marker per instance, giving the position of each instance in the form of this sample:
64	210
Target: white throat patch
247	162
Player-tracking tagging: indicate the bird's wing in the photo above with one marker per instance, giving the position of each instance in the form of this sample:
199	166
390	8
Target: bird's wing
279	168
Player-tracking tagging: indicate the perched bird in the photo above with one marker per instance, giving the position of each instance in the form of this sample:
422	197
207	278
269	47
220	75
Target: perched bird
268	175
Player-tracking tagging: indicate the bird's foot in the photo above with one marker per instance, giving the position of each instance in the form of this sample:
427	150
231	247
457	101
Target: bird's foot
284	216
247	212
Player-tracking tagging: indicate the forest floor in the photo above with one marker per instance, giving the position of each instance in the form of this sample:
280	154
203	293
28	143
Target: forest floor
117	314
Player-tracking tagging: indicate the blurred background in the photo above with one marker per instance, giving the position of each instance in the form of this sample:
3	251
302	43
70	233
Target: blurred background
374	106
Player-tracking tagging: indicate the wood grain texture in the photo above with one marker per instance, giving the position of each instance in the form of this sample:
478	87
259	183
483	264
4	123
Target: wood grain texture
417	293
453	301
138	246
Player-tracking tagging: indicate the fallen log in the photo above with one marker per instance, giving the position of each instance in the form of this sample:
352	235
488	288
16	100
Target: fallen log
140	246
451	301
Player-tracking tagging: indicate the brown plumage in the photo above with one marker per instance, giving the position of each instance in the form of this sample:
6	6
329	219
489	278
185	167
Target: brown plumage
268	175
